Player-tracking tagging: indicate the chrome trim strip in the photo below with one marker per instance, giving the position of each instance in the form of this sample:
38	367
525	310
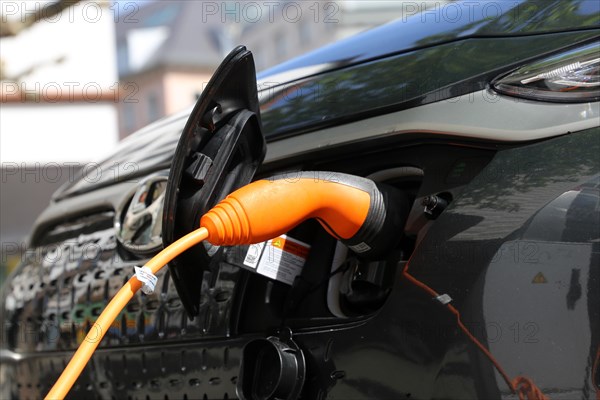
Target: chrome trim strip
483	115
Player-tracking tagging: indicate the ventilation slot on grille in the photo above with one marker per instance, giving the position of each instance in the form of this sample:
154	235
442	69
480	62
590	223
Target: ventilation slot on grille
75	227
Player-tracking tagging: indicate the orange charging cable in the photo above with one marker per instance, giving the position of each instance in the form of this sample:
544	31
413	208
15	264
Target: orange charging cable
112	310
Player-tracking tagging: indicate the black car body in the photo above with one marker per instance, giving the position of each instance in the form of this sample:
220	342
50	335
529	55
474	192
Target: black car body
517	250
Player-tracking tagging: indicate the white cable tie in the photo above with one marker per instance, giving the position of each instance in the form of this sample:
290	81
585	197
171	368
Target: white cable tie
444	299
148	279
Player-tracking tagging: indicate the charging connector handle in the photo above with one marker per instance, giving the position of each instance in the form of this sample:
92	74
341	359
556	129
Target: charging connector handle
351	208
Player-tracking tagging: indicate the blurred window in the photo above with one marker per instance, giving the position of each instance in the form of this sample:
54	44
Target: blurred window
153	108
280	47
259	58
122	58
129	117
163	16
305	32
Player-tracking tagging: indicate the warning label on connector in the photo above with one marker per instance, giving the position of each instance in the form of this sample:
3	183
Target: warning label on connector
282	258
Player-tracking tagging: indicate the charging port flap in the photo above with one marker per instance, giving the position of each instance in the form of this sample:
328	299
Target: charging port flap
219	151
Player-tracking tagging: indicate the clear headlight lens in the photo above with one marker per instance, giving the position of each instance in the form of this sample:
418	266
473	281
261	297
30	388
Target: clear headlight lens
572	76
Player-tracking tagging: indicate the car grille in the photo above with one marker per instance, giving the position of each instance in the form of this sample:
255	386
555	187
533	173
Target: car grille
62	287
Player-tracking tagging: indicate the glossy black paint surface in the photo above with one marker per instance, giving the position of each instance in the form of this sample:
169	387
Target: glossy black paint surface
404	81
519	254
459	20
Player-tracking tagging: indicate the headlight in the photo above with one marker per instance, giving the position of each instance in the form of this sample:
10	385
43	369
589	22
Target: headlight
570	77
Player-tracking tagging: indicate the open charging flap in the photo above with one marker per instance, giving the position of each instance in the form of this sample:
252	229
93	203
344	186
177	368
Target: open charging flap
220	149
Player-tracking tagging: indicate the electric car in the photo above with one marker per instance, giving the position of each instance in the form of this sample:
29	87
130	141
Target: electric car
485	116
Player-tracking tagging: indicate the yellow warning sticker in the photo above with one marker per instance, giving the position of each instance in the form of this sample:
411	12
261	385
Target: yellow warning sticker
539	278
282	258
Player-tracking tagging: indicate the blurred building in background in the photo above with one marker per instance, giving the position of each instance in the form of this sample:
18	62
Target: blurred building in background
59	85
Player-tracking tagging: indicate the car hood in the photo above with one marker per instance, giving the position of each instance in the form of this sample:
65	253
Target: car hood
454	21
153	147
